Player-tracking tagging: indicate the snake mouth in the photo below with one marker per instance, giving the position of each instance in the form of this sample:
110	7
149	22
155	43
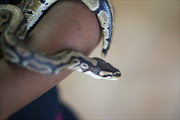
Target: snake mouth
111	76
117	74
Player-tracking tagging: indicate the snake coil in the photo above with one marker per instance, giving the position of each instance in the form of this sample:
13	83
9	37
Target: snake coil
16	21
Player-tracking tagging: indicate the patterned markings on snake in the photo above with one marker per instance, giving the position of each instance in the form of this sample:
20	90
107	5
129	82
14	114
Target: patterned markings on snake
11	56
93	5
23	52
17	52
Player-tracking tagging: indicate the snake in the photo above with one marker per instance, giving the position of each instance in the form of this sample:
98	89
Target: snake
17	20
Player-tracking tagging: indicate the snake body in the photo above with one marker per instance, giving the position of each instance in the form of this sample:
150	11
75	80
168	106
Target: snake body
16	21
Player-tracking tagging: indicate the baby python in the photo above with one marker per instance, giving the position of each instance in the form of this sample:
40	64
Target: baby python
15	21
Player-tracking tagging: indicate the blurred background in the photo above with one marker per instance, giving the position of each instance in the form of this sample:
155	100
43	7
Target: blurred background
146	48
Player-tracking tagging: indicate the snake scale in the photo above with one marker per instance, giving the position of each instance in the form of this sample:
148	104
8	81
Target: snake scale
15	21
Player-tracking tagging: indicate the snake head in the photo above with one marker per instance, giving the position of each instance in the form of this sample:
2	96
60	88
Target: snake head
105	70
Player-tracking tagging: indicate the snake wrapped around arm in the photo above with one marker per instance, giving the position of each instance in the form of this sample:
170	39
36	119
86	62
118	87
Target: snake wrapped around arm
16	21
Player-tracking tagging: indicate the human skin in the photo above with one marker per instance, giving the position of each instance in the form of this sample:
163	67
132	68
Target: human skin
69	24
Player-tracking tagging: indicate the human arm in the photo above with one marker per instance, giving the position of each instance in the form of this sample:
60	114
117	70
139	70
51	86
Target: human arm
67	25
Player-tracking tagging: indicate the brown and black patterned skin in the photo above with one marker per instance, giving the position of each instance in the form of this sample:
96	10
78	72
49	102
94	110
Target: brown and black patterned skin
16	21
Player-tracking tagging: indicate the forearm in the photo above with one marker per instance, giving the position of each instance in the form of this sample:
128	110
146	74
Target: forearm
68	25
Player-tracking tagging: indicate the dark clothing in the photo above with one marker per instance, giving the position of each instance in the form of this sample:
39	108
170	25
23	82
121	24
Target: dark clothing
46	107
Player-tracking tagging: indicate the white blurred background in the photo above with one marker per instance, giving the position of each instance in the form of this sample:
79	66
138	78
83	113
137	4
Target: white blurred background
146	48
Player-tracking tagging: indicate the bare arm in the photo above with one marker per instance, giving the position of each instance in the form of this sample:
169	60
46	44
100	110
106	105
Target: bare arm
67	25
